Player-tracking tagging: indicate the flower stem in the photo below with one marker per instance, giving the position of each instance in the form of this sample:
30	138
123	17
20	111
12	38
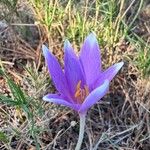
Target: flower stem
81	132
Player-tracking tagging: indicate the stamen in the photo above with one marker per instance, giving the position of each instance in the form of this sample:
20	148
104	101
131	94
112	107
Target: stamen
78	93
86	90
81	93
78	85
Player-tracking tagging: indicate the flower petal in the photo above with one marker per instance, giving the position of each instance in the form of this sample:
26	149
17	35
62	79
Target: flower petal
94	96
73	69
58	100
108	74
53	96
56	72
90	58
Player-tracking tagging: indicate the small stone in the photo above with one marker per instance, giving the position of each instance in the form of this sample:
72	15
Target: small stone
73	123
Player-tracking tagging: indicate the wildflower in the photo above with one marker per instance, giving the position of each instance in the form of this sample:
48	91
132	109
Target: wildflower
83	82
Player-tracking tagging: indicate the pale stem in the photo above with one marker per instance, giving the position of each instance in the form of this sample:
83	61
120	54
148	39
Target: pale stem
81	132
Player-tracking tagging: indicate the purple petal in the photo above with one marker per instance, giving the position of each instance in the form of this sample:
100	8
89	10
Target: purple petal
94	96
90	58
73	69
54	98
108	74
56	72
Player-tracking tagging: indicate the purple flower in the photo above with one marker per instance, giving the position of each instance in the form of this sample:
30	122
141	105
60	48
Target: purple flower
82	83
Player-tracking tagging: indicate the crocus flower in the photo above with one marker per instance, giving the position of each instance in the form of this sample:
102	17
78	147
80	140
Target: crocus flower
83	82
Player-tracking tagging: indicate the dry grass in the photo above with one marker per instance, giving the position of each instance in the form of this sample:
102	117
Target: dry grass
120	121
